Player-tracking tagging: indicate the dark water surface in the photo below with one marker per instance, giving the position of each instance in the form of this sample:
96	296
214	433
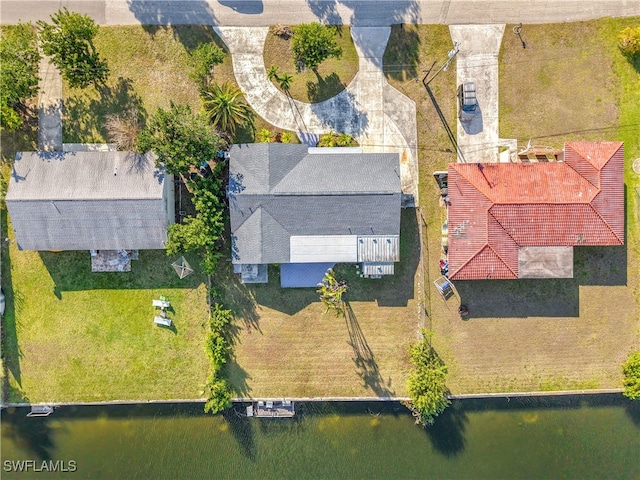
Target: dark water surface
570	437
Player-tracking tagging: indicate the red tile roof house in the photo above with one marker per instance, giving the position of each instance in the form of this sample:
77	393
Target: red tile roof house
522	220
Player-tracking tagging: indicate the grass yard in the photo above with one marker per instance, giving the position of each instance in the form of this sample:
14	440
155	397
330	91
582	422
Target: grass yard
530	334
286	345
73	335
149	68
333	74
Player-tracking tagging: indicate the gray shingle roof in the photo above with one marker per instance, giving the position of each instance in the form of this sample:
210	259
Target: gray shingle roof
279	190
73	201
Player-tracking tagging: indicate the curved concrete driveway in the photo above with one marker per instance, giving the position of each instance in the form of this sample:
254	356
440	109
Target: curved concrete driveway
378	116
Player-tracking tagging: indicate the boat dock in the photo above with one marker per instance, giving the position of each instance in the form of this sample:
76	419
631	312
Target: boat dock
271	409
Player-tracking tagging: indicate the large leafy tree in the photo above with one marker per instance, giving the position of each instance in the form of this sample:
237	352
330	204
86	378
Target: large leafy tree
19	59
180	139
313	43
225	106
631	371
427	382
68	39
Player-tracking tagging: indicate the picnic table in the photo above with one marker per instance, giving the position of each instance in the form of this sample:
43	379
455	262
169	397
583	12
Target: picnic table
161	303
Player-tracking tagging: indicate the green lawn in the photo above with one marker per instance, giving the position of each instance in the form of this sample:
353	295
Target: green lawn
570	83
333	74
149	68
73	335
286	345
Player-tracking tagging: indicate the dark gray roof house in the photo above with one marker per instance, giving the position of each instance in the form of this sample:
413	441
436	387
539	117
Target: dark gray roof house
309	208
89	201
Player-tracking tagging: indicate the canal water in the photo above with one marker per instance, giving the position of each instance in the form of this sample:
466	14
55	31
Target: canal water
577	437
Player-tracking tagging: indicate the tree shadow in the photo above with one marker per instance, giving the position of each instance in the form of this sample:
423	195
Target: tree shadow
10	347
331	114
237	377
83	116
246	7
364	358
447	432
400	60
388	13
324	88
242	430
391	290
71	271
34	434
154	15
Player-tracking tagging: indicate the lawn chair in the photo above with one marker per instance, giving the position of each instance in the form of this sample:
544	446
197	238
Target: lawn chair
445	287
163	321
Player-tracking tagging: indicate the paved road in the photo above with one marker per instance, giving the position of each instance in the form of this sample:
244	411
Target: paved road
355	12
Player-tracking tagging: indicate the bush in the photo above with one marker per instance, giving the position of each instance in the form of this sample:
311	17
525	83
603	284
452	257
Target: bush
123	129
333	139
313	43
19	59
631	371
427	382
629	41
217	347
203	59
274	136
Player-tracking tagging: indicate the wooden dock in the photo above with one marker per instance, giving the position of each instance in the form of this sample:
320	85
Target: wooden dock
271	409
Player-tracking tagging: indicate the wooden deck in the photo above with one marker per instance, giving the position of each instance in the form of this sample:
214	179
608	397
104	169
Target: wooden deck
274	409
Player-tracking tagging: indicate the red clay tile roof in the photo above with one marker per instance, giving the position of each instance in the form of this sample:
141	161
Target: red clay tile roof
497	208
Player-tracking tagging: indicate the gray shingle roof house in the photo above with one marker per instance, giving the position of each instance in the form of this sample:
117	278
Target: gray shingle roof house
295	205
89	201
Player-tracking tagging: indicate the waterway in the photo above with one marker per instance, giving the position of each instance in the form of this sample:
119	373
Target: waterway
553	437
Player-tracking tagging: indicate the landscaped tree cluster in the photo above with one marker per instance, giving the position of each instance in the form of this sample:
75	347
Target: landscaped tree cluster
203	59
274	136
427	382
331	291
333	139
19	59
217	347
313	43
180	139
631	372
629	42
68	39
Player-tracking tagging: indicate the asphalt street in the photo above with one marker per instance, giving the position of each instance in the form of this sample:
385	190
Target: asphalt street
258	13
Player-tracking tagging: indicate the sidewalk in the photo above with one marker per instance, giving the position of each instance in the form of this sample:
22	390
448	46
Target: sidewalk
49	107
379	117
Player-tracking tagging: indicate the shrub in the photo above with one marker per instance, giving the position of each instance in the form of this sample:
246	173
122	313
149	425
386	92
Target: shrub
218	395
333	139
427	382
203	59
629	41
313	43
123	129
217	347
631	371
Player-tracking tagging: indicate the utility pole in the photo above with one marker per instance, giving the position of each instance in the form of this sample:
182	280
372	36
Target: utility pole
452	54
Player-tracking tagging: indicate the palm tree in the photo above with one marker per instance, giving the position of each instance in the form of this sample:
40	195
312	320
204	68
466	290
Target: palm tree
285	82
272	73
225	107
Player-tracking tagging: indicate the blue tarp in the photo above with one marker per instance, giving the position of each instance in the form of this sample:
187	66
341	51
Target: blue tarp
302	274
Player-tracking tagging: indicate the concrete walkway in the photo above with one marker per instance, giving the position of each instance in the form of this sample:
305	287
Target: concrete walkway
379	117
477	59
49	107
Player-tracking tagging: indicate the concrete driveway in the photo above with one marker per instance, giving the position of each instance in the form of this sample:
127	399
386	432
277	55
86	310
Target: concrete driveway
477	60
